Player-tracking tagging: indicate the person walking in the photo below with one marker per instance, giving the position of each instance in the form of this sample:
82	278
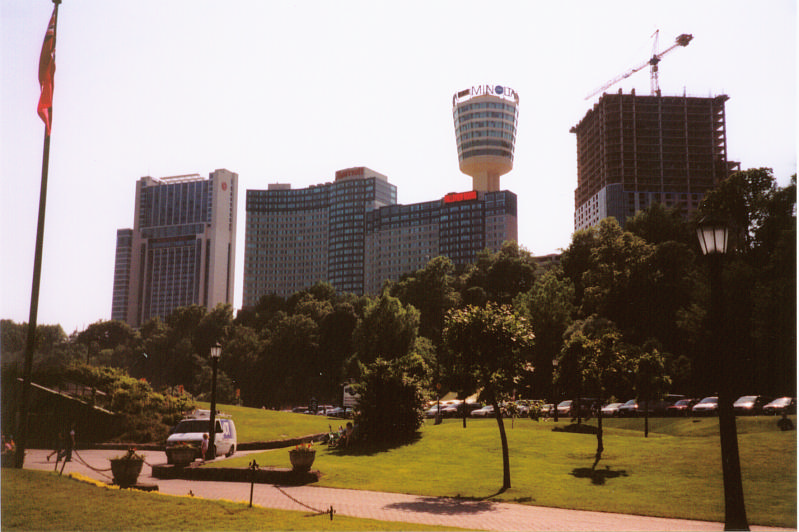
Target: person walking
58	447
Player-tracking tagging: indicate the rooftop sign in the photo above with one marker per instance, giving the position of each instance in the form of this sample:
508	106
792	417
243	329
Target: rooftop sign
486	90
460	196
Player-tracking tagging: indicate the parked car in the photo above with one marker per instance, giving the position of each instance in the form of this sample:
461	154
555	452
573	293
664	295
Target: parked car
190	430
750	404
611	409
681	407
782	405
565	407
658	407
338	411
706	407
547	410
432	411
629	409
485	411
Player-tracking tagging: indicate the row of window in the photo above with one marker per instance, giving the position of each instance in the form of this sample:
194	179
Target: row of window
485	142
473	116
486	133
485	124
478	153
484	105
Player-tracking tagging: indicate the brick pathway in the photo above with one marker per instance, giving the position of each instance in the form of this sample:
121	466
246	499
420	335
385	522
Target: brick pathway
482	515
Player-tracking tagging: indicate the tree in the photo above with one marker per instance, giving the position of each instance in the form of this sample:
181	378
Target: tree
391	404
650	378
594	347
549	306
431	291
502	275
492	345
387	330
658	224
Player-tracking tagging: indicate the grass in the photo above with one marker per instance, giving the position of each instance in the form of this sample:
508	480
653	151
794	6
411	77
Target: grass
37	500
255	424
675	472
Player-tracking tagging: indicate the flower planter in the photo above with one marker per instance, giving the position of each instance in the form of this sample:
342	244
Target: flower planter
181	456
302	460
126	471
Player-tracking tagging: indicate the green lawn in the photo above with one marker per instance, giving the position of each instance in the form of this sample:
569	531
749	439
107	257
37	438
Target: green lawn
38	500
254	424
675	472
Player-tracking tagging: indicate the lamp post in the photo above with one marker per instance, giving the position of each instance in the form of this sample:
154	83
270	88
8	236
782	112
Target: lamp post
713	236
216	352
555	386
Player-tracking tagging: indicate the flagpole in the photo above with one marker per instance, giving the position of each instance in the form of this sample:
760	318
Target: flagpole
23	421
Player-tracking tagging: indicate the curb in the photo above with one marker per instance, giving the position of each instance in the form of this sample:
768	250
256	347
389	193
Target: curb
246	446
281	476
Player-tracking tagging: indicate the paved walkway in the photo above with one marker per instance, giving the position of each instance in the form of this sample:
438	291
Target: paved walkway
482	515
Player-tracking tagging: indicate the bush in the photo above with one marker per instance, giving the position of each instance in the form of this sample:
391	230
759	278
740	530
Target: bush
391	404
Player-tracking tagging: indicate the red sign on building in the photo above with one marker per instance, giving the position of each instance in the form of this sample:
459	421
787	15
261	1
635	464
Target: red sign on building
460	196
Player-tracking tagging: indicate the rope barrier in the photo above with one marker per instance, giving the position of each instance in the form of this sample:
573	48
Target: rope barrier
254	468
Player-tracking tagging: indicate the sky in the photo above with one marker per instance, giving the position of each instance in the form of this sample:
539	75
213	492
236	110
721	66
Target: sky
290	92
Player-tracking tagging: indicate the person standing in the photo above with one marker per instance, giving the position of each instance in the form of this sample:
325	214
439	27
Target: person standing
204	447
70	444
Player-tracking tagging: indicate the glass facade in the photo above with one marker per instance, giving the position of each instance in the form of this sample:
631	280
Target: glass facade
180	251
352	234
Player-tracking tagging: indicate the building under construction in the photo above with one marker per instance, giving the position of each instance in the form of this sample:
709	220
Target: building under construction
633	151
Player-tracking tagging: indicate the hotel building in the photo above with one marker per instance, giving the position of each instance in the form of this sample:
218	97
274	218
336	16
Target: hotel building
633	151
353	234
181	250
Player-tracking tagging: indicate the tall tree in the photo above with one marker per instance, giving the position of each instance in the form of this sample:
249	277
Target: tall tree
549	306
431	291
493	345
502	275
387	330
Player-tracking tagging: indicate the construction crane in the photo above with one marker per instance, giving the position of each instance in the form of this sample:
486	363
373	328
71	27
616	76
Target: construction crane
681	40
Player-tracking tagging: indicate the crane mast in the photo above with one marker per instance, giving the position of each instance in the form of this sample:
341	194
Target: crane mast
652	62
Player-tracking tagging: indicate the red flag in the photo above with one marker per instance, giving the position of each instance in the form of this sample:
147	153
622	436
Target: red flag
47	72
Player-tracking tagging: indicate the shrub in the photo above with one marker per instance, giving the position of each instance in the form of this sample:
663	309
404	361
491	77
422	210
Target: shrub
391	404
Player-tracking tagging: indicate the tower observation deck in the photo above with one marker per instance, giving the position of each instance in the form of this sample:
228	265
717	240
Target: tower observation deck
485	119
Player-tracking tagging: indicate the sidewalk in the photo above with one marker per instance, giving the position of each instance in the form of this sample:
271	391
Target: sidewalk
482	515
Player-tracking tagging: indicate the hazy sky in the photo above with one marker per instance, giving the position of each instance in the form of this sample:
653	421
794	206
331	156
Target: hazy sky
293	91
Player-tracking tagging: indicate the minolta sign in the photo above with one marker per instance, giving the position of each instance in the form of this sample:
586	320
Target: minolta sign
486	90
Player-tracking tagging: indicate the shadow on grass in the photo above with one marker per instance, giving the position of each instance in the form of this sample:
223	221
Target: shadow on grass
598	476
444	506
577	429
362	448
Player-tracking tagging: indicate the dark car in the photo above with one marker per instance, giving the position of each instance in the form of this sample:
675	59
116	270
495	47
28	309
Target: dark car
681	407
629	409
782	405
658	407
750	405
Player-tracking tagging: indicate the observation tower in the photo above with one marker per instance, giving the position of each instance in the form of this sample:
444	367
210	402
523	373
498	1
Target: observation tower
485	119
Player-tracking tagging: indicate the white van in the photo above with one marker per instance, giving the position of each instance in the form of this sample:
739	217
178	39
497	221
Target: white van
190	431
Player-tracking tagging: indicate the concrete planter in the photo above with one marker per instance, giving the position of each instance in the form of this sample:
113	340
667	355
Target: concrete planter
301	460
126	471
181	456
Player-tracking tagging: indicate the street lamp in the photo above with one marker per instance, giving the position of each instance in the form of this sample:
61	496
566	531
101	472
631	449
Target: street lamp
555	386
216	352
713	237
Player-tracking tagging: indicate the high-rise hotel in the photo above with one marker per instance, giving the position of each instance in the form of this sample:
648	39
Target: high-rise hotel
181	250
352	233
